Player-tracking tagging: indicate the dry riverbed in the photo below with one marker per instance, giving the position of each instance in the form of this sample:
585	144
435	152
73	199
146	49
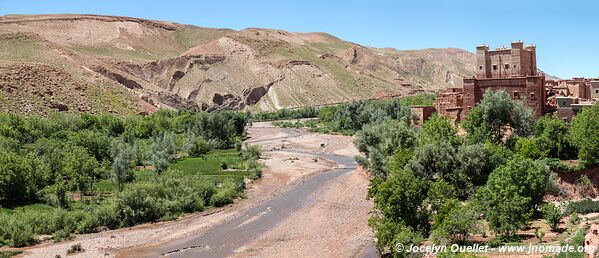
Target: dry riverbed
333	223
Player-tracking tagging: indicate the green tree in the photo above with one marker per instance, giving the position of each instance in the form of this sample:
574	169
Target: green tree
434	160
401	198
381	140
17	178
553	136
121	165
475	163
198	147
439	193
489	119
529	147
438	129
585	134
504	209
459	222
81	169
512	192
164	150
553	215
402	216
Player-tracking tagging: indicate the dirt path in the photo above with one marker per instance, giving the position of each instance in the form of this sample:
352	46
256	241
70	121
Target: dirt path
310	202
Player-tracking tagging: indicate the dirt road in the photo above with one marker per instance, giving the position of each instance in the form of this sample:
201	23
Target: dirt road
309	203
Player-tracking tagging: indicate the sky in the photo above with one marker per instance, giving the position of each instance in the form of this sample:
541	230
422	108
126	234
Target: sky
566	32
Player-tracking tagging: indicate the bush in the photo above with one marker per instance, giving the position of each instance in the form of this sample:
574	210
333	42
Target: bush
76	248
15	232
574	218
553	215
583	206
226	194
457	224
137	204
198	147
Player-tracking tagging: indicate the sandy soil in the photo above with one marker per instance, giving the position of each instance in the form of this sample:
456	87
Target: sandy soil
333	227
339	214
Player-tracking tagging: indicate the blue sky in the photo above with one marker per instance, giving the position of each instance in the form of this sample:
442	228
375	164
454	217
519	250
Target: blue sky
566	32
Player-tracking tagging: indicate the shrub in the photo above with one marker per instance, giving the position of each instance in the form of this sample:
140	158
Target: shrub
137	204
15	232
583	185
76	248
457	224
553	215
583	206
198	147
574	218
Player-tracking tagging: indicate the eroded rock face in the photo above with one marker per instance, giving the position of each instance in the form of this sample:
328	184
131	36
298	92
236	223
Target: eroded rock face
591	240
131	84
186	66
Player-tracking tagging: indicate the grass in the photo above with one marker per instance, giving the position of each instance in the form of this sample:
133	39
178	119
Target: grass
115	52
191	36
424	99
210	165
577	240
6	254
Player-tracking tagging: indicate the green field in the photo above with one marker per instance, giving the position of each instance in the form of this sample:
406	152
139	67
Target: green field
211	164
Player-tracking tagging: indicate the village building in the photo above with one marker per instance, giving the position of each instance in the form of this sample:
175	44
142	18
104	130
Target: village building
513	70
568	107
421	113
594	89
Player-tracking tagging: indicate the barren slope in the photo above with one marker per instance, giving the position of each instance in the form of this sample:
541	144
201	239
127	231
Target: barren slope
175	65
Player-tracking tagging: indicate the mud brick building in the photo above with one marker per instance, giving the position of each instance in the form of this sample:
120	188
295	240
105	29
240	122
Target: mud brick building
513	70
421	113
450	102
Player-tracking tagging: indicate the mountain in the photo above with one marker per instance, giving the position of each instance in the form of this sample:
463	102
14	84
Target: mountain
92	63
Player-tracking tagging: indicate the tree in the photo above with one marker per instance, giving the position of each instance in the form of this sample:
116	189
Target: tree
585	135
389	234
434	160
17	180
553	136
438	129
512	192
121	165
553	215
199	147
401	199
504	209
459	222
163	151
381	140
439	193
490	118
81	169
529	147
402	216
475	163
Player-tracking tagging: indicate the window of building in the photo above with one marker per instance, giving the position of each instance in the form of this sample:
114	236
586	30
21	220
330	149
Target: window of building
532	95
480	67
507	66
596	90
494	67
514	66
516	95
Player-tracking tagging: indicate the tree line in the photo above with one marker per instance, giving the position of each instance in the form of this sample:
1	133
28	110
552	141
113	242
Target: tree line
60	159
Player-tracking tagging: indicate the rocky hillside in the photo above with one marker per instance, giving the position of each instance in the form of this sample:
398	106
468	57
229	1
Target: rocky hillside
128	65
